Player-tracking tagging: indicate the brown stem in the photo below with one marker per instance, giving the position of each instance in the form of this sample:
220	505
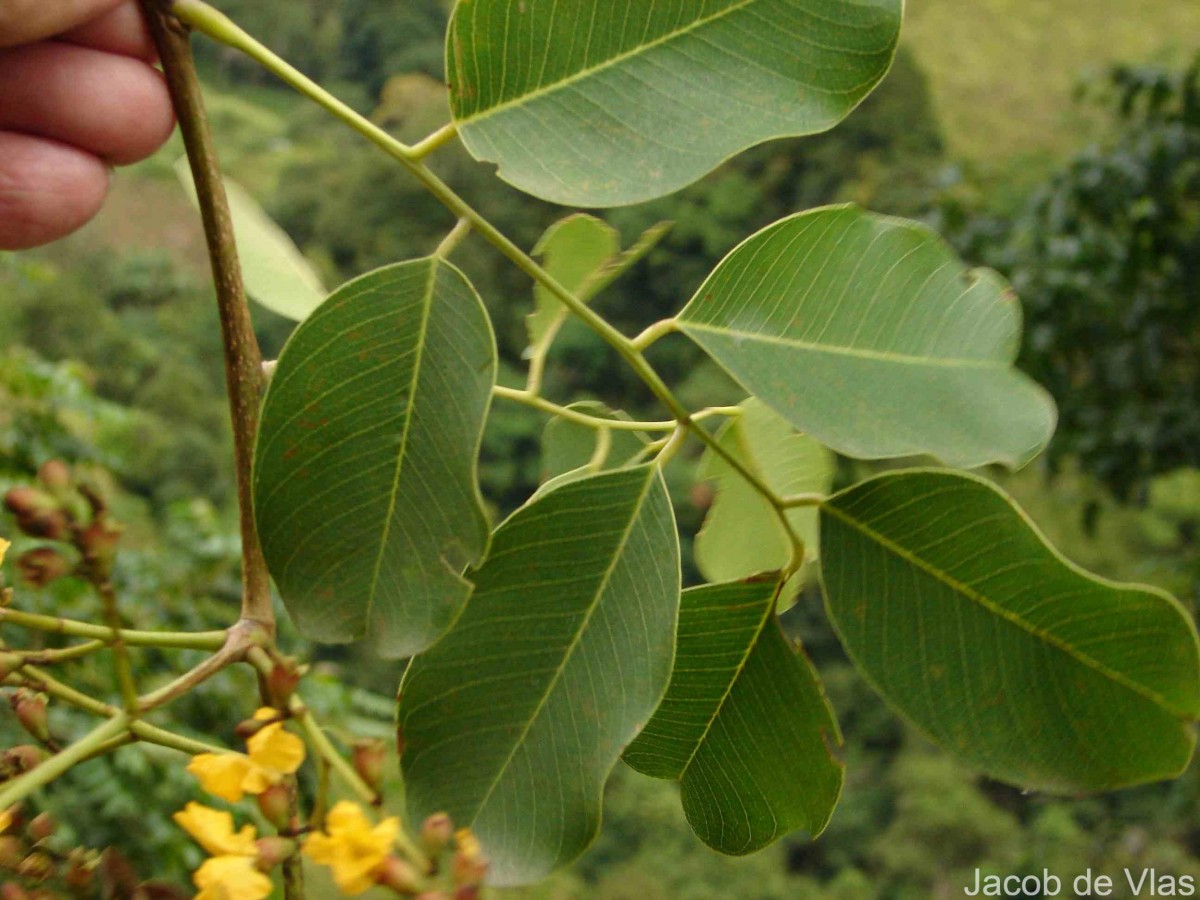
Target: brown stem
243	359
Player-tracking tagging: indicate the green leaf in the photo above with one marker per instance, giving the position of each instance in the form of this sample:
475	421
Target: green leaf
742	534
365	484
972	626
573	250
584	254
868	334
571	447
612	102
745	726
514	720
275	271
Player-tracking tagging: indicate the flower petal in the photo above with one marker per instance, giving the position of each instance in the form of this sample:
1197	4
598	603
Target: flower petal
231	878
276	749
223	774
213	830
4	545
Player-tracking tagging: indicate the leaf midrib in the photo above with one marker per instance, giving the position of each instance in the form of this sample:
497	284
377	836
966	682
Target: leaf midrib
545	89
1007	615
401	452
739	669
944	362
618	552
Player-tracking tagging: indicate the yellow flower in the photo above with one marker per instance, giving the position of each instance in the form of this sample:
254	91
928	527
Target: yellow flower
6	815
231	878
213	830
4	545
274	753
351	847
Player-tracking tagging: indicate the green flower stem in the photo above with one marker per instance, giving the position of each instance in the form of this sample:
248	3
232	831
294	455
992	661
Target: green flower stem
66	654
573	415
20	788
603	448
219	27
167	640
143	731
122	665
334	760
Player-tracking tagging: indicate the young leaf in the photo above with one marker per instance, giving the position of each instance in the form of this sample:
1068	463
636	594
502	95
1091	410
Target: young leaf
365	487
275	271
1033	671
573	250
745	727
514	720
867	333
742	535
584	254
612	102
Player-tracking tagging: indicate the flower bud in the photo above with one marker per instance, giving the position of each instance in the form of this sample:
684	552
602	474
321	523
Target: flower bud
273	850
436	833
99	543
282	682
36	866
275	805
22	758
42	827
469	866
370	757
31	712
12	851
55	476
400	876
12	891
37	513
80	874
40	567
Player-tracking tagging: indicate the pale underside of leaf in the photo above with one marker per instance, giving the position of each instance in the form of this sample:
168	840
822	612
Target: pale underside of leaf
513	721
366	491
964	618
867	333
745	726
276	273
609	102
742	534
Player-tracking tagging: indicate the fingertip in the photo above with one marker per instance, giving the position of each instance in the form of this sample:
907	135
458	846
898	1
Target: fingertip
47	190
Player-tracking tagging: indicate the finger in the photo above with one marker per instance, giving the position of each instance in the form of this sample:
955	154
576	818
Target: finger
23	21
47	190
121	31
112	106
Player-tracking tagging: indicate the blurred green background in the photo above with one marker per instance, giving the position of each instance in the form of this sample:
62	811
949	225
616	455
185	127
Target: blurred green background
1058	142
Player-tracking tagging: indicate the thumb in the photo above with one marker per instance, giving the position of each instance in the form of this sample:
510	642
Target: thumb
22	21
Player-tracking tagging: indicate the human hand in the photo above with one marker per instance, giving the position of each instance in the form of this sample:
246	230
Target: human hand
78	94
